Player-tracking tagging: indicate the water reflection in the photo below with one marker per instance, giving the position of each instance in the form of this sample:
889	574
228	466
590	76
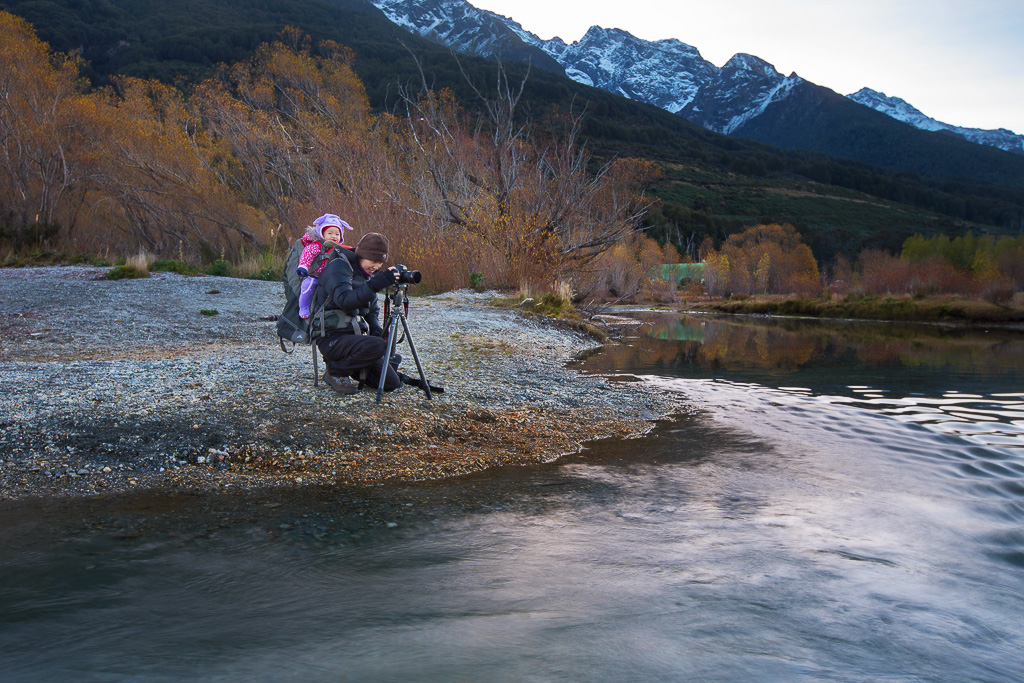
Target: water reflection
940	405
785	346
962	384
840	503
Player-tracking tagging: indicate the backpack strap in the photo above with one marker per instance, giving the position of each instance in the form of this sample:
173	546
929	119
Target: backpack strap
318	261
326	255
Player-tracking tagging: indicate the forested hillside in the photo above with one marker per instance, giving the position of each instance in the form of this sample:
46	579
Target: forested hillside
818	119
712	185
238	165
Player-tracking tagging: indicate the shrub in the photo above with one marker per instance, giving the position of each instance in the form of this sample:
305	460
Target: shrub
126	272
557	304
208	311
997	290
220	267
170	266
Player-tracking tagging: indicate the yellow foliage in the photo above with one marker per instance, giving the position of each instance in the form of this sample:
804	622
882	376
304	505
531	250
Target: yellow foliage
762	259
247	159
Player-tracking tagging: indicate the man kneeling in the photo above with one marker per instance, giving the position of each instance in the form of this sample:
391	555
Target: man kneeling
350	283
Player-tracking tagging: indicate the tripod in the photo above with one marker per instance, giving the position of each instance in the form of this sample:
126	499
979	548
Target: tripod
398	305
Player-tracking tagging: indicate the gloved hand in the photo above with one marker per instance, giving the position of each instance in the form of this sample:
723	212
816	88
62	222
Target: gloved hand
382	279
302	271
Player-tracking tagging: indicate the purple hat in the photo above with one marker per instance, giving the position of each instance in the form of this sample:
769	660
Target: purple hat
328	220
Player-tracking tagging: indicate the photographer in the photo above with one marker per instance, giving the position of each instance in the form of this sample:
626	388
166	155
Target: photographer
350	283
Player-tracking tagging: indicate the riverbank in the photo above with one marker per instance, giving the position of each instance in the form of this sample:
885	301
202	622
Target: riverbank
175	383
934	309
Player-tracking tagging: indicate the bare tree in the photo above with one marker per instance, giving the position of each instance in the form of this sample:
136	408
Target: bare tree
491	177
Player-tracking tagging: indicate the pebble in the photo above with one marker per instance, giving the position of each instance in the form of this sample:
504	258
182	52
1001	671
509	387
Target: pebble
152	392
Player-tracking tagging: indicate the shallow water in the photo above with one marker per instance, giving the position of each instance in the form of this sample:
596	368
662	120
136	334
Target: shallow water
842	503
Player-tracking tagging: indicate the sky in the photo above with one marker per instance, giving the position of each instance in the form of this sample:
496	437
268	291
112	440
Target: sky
958	61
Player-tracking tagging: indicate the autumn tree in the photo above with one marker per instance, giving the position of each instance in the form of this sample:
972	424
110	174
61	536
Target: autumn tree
760	260
289	130
489	181
40	129
255	153
157	189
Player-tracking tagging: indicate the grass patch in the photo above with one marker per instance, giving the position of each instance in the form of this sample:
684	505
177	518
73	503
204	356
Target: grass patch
172	266
126	272
945	308
209	311
555	306
266	264
480	344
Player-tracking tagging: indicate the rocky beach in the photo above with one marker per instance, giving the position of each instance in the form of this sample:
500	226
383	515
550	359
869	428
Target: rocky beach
175	383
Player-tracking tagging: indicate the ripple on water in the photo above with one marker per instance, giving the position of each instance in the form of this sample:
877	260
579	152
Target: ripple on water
972	437
982	437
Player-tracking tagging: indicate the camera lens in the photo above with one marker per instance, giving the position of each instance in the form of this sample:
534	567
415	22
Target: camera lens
406	276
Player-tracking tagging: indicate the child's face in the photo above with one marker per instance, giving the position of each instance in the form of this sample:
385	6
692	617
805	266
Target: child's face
333	234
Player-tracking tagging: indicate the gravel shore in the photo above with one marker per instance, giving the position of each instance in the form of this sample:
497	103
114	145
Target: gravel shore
115	386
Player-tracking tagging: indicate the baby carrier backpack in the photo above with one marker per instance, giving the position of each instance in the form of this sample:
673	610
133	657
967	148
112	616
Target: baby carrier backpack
294	329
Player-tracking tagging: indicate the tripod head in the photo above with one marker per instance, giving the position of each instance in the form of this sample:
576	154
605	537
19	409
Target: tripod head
396	307
395	295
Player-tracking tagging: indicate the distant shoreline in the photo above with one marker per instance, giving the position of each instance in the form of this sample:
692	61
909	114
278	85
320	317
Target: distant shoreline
945	309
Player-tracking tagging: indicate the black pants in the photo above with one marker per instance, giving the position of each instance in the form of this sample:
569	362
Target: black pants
347	355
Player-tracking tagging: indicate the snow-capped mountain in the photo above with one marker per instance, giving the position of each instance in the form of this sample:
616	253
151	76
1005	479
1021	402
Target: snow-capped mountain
740	91
666	73
901	110
466	29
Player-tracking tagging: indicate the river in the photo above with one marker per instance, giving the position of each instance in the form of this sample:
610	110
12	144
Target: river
842	502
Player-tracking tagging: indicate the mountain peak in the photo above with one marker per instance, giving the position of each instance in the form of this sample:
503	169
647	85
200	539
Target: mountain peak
596	32
666	73
901	110
891	106
744	62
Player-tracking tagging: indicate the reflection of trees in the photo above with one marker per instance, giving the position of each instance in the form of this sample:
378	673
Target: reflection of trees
672	341
993	357
757	346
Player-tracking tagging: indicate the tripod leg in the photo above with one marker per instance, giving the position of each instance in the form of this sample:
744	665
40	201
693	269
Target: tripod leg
316	367
423	378
392	333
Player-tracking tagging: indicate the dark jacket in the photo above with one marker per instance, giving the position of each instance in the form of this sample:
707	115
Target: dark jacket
348	289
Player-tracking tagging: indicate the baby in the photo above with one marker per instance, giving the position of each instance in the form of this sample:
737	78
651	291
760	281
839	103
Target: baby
327	228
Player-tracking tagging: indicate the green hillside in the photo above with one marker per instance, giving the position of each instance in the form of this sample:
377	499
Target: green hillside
714	184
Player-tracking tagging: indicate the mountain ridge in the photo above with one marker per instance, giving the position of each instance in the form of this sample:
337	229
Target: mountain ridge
671	74
901	110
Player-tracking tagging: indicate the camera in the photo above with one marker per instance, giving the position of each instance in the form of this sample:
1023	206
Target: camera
406	276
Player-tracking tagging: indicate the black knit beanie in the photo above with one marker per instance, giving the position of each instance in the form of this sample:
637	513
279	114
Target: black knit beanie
373	246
